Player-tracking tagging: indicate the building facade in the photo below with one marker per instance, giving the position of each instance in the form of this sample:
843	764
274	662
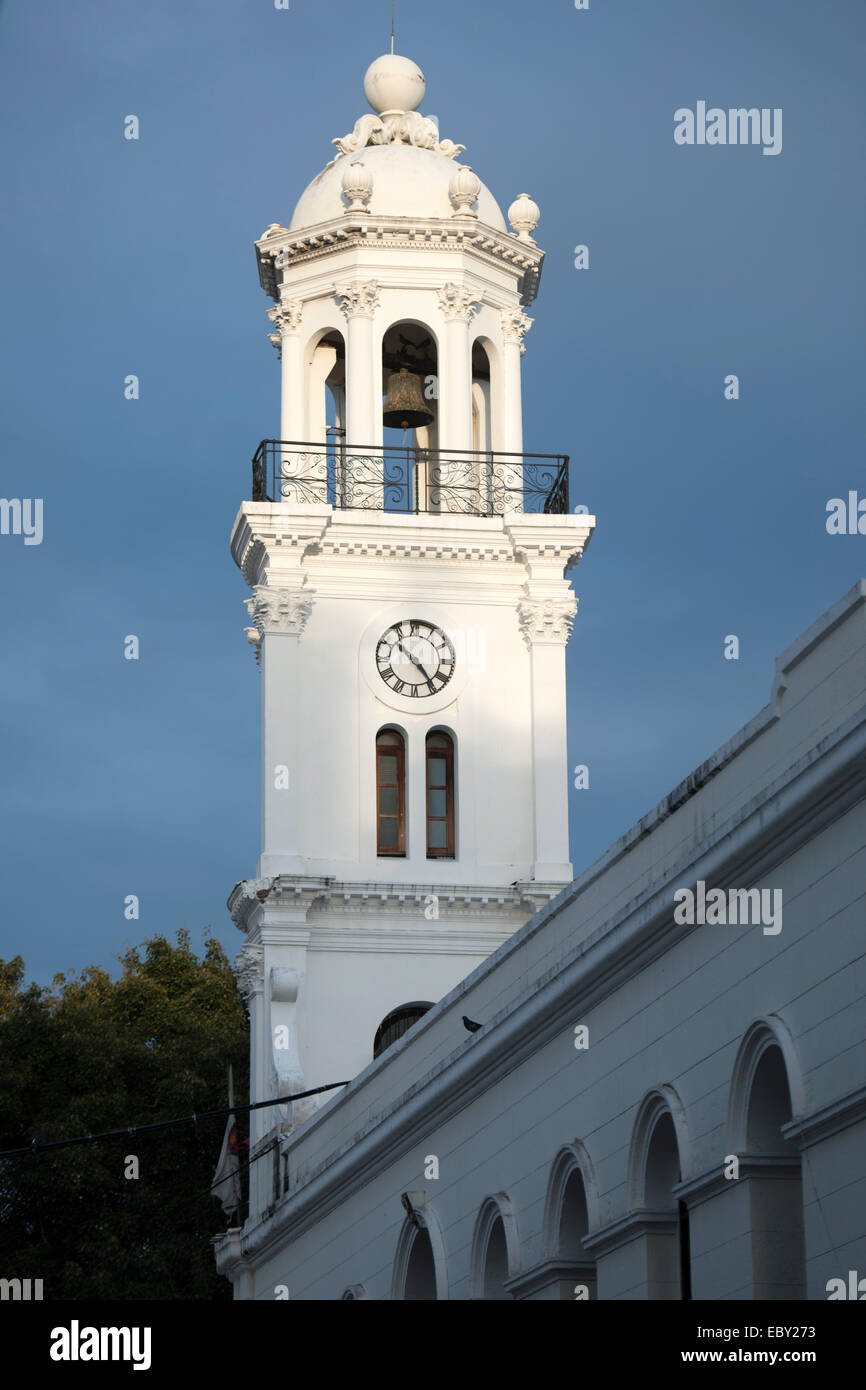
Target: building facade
661	1092
653	1108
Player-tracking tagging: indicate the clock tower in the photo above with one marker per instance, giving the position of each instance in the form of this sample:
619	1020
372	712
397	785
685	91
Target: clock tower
409	611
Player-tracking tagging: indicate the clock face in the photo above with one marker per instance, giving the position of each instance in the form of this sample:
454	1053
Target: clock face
414	658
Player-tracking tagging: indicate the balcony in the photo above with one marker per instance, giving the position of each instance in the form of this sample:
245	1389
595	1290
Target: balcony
390	478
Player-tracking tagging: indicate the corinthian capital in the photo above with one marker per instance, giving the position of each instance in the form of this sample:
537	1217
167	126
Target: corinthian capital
361	297
248	966
278	610
546	620
286	316
515	326
457	303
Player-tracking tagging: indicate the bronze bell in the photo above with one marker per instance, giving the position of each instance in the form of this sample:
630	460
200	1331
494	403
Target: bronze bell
405	407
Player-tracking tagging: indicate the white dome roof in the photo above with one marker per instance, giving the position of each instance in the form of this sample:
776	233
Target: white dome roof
407	182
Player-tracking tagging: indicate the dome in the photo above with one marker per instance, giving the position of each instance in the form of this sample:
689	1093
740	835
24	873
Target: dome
407	170
407	182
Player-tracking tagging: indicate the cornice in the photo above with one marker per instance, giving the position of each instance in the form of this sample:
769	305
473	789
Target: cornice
250	894
320	896
264	531
713	1183
839	1114
547	1272
280	251
628	1228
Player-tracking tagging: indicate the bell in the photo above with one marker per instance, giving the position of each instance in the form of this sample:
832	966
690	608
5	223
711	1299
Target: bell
405	407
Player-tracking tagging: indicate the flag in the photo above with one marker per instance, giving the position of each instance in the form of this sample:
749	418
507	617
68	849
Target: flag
226	1185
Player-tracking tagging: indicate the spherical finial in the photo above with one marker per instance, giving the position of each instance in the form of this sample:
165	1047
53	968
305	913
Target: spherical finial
463	191
393	83
524	216
357	186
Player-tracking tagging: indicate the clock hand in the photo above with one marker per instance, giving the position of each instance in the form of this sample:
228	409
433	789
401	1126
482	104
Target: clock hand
414	661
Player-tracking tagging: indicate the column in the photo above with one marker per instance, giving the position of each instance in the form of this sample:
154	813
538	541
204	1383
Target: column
454	482
362	484
279	616
249	972
292	484
510	475
458	306
546	626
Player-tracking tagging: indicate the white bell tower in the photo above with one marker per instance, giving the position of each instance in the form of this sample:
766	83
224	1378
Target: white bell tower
409	609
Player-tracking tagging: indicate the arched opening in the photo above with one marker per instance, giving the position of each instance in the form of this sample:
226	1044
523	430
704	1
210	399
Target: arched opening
482	426
410	379
326	391
658	1163
673	1262
662	1165
314	472
769	1106
496	1264
441	836
396	1023
495	1257
772	1171
390	794
420	1271
570	1211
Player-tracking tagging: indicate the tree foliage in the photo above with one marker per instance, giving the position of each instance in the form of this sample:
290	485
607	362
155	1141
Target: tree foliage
89	1054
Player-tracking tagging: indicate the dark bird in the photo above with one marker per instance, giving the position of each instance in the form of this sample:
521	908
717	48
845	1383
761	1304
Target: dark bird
470	1025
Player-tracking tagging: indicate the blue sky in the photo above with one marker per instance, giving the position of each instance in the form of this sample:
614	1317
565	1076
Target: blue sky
137	257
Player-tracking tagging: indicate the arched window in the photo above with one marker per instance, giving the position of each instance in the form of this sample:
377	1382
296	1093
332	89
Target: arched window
390	793
396	1023
440	797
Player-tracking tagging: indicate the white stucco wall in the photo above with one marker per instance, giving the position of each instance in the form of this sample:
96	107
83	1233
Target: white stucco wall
782	807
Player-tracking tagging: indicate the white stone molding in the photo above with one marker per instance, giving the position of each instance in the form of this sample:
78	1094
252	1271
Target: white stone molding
546	620
360	298
248	968
397	128
286	316
515	326
457	303
282	251
276	341
830	1119
279	609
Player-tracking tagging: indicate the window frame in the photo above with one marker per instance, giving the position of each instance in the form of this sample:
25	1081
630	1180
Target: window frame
398	750
450	850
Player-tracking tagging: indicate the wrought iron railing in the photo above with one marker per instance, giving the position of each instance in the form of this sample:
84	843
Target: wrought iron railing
394	479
